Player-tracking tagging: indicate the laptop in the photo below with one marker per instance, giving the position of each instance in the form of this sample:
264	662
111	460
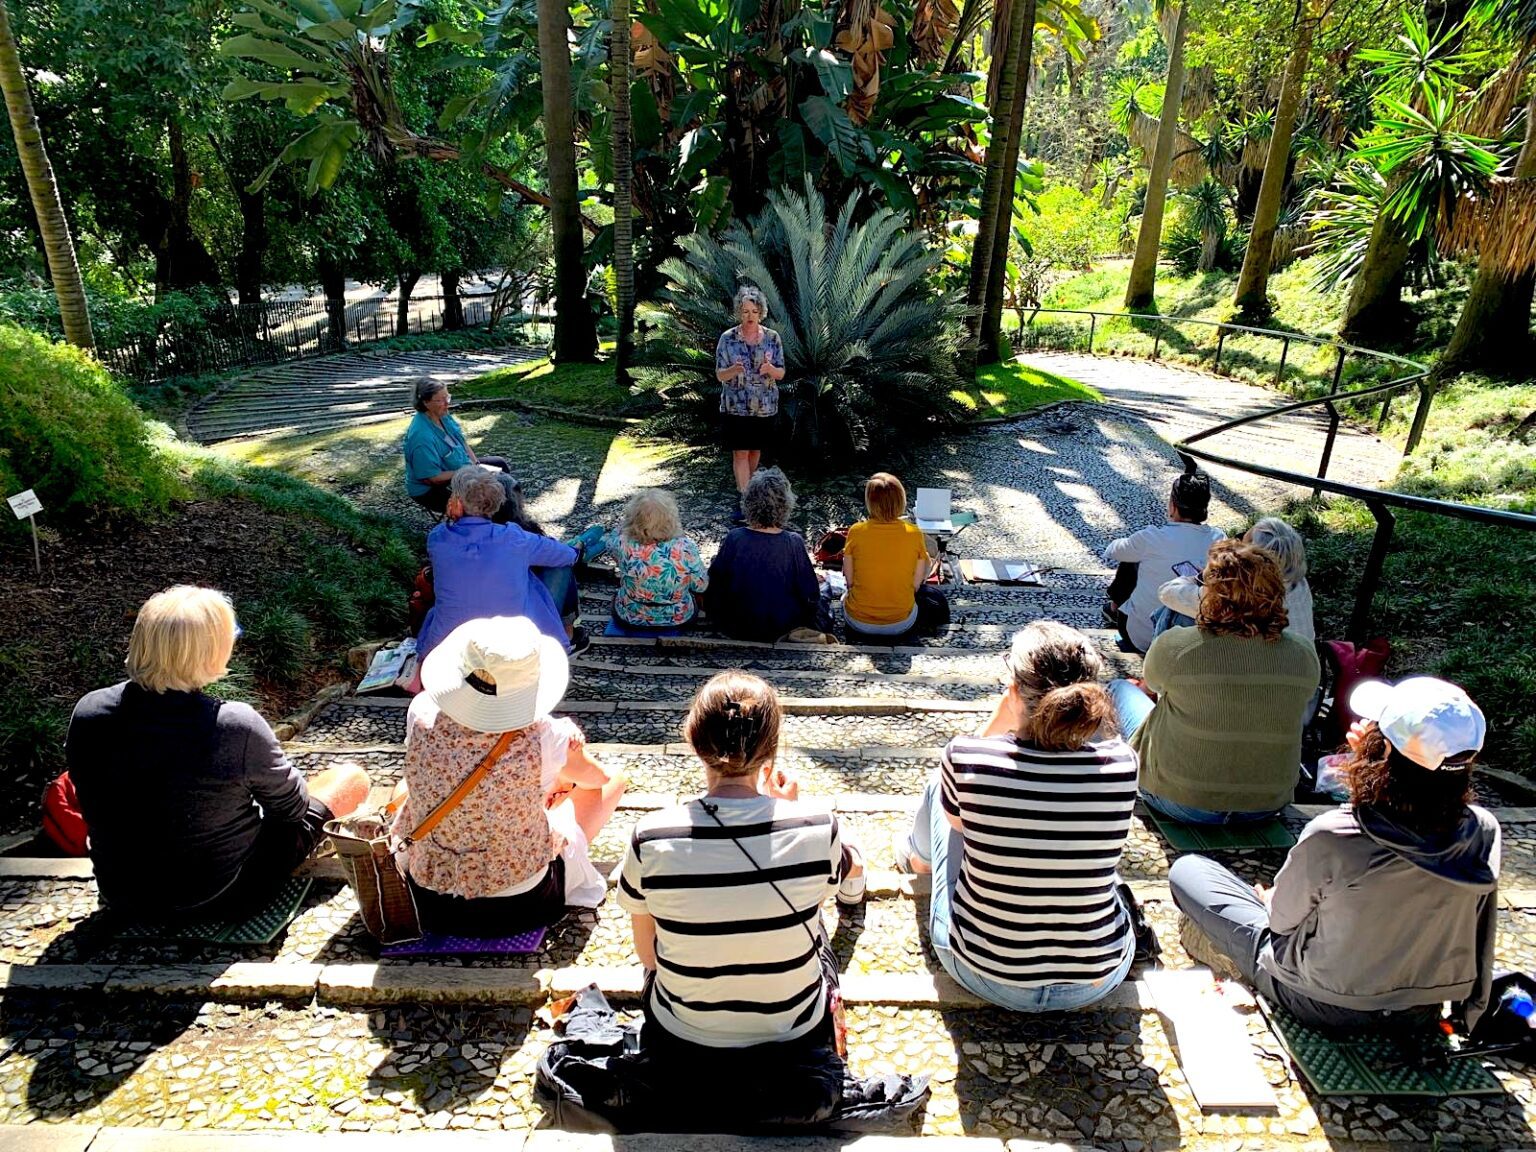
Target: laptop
932	510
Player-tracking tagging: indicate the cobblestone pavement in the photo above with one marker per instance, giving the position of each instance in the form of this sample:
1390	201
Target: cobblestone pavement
336	391
1056	487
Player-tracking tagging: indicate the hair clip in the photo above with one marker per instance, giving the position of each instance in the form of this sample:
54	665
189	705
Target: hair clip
740	728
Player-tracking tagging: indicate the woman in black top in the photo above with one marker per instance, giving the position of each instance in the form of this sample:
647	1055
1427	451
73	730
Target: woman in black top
190	803
761	583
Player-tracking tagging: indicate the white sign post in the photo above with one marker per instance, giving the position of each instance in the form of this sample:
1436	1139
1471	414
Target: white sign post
26	505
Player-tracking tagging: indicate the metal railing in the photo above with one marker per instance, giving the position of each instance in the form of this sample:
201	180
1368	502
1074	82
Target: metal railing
1380	502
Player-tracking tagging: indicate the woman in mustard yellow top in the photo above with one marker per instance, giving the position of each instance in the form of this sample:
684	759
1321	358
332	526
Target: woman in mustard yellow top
885	562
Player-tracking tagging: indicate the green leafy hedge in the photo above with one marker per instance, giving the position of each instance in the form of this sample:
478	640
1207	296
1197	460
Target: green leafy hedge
69	432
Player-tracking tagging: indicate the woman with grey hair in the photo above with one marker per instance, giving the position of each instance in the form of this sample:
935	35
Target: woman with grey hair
761	583
749	363
1181	596
436	447
482	569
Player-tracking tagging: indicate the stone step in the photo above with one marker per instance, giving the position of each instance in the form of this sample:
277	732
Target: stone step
960	636
1106	1074
830	659
287	427
112	1138
1109	1076
833	723
615	681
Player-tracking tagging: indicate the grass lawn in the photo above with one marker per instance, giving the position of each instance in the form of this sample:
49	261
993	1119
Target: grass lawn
584	387
1006	389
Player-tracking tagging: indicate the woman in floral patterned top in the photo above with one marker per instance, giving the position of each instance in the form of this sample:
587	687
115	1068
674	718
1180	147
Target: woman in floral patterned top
749	363
514	853
659	568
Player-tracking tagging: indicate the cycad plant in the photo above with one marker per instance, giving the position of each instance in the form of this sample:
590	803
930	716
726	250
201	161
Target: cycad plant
870	342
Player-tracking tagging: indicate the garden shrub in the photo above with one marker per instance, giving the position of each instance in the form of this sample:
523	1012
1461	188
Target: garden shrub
870	340
277	640
68	431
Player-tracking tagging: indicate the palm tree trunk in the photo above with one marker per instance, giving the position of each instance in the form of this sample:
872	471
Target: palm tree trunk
1140	290
575	329
999	176
992	307
1493	332
1253	284
623	185
63	267
1376	297
1210	248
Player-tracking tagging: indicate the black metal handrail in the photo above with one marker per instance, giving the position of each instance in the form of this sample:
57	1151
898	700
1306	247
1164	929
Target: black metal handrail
1381	502
1343	350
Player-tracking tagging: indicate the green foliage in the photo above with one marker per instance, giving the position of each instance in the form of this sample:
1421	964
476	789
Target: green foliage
277	641
1341	216
869	342
1070	228
69	432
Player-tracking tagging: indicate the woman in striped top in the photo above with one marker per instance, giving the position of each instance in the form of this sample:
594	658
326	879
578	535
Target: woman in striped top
1023	829
725	892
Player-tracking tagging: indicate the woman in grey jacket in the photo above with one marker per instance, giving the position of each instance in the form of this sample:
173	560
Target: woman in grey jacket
1386	907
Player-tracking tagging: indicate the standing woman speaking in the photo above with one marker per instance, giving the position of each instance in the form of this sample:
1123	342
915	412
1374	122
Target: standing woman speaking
749	363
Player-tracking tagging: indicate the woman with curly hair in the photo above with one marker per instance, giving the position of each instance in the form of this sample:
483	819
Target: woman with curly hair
1217	718
1387	906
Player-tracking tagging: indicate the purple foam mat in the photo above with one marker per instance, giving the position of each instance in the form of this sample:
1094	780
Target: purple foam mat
442	944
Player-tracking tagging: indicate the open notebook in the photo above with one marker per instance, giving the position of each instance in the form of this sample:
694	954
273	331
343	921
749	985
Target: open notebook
932	510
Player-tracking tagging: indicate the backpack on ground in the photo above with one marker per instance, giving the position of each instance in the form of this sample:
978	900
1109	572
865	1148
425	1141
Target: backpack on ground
1343	666
63	822
423	596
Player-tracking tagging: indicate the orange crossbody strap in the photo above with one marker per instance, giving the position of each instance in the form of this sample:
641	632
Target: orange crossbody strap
435	817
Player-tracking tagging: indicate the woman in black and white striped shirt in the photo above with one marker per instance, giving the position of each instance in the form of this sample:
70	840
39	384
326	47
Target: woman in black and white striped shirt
1023	830
725	892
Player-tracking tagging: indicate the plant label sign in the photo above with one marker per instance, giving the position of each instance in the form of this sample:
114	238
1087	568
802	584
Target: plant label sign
25	504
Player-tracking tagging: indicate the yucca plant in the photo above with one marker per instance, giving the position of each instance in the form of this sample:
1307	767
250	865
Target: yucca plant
870	342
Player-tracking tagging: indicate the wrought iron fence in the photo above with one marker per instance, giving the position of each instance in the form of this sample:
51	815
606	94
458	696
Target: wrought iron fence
237	336
1380	502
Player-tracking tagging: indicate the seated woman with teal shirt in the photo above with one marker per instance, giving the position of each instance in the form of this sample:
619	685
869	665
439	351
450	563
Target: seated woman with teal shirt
436	448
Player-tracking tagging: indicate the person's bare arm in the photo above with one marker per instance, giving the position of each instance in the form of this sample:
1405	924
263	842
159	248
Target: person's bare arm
920	573
581	771
848	569
1006	718
644	929
730	372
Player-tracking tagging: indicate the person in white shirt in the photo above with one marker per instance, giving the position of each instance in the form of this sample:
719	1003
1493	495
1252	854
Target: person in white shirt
1153	552
1181	595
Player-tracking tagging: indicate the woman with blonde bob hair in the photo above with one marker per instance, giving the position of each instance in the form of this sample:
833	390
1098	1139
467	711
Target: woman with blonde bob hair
885	562
191	805
1181	595
660	568
1222	742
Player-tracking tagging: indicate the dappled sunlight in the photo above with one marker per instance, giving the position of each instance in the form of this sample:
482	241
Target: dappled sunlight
557	501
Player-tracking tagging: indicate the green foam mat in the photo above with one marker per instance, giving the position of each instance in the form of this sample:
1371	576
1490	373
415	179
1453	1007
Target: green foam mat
259	928
1271	833
1379	1065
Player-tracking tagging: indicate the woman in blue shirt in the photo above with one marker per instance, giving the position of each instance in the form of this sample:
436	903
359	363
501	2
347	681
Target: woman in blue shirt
436	448
481	569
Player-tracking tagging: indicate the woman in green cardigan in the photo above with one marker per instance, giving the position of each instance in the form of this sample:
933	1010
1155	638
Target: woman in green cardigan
1218	714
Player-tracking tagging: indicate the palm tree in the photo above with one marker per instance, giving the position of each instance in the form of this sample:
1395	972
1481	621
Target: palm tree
575	328
63	267
623	183
1002	168
1141	288
1207	210
1252	296
1002	224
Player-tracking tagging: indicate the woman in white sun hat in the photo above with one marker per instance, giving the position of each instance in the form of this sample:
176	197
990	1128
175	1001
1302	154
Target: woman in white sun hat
513	854
1386	907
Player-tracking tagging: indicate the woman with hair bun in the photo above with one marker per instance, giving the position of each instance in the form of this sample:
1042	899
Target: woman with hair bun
1023	830
724	893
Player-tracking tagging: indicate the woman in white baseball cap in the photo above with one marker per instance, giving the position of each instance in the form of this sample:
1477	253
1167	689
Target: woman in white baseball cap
513	854
1386	907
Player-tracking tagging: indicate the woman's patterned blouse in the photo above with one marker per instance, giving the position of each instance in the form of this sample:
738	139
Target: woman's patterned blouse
751	394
